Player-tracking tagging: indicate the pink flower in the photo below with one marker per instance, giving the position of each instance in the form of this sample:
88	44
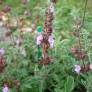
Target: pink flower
2	51
74	50
18	42
5	89
51	8
77	69
39	39
90	66
51	41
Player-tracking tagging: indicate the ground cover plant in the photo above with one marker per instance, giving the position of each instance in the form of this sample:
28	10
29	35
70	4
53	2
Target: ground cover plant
45	45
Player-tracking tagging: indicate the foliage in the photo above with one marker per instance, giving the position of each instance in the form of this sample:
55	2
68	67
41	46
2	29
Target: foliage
58	76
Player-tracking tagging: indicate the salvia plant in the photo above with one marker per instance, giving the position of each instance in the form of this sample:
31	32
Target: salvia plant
45	46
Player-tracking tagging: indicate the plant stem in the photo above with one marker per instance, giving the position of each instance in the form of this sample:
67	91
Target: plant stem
85	8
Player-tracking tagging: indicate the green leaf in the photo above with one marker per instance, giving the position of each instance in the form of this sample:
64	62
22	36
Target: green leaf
69	84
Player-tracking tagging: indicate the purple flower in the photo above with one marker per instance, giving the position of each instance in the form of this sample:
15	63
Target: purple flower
39	39
2	51
51	41
18	42
77	69
90	66
51	8
5	89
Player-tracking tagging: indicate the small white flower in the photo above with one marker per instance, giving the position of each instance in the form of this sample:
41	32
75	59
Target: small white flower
77	68
5	89
39	39
90	66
